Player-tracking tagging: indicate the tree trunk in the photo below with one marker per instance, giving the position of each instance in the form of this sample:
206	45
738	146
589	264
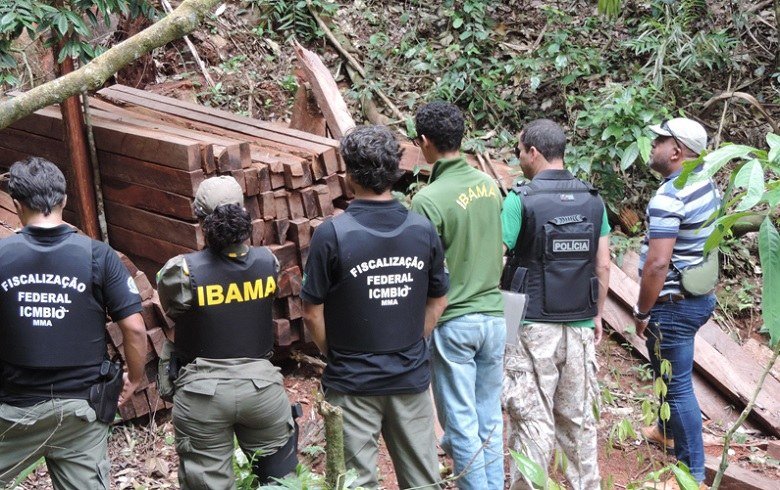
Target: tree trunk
92	75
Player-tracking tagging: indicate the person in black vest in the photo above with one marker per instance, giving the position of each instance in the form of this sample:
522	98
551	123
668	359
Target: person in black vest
556	230
221	299
55	289
374	286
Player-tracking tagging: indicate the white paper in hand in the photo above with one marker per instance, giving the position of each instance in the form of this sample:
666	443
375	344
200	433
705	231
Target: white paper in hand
514	312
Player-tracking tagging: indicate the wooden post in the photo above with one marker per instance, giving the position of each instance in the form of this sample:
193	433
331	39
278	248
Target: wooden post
82	179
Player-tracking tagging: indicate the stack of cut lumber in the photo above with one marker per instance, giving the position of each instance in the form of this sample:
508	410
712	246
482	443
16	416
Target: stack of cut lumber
292	181
146	399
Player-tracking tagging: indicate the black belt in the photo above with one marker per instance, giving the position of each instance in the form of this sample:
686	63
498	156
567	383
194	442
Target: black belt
671	297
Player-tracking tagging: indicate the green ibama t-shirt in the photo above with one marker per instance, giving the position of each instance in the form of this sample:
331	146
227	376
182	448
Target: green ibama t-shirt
464	205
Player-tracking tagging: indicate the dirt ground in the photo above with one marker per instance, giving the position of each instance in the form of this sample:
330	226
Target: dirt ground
143	456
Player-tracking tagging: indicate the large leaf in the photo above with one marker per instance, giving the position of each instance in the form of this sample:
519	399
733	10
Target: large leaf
774	147
530	469
685	480
717	159
645	145
629	156
769	253
751	177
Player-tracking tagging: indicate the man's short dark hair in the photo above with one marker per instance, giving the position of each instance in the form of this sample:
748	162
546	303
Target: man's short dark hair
372	154
442	123
37	183
546	136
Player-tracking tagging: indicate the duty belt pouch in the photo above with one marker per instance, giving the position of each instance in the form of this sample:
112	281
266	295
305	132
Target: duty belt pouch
700	279
167	372
104	396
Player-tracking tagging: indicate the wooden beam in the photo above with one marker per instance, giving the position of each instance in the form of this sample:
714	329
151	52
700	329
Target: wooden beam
189	235
326	92
734	379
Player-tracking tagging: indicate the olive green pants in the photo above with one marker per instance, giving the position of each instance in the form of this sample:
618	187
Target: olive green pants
218	399
66	433
406	424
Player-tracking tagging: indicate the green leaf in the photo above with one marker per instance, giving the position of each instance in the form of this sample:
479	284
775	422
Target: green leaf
457	22
530	469
769	253
645	145
659	387
684	478
774	147
717	159
751	177
664	412
772	197
629	156
62	24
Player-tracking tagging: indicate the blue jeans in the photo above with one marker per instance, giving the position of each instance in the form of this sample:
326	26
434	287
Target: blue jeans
468	360
673	326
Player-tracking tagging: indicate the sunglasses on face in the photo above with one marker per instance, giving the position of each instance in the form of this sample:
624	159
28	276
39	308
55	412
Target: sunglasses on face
518	151
416	141
665	127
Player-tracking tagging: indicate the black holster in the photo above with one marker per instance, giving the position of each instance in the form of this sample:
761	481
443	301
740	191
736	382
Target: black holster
104	395
284	460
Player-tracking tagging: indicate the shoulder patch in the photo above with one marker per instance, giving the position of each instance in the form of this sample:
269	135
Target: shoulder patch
131	286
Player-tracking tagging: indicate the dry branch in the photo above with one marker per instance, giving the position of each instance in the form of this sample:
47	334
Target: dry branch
181	21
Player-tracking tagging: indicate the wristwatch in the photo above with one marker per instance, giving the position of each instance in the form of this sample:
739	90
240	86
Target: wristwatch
639	315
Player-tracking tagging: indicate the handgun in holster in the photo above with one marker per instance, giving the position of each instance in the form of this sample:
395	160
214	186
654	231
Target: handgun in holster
284	460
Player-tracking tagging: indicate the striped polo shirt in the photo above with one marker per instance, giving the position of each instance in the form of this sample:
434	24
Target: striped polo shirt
680	213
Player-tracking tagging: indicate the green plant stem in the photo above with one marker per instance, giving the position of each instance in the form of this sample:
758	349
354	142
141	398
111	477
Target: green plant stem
724	459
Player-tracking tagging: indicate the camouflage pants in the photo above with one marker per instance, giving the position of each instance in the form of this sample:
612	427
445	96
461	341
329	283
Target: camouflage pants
549	392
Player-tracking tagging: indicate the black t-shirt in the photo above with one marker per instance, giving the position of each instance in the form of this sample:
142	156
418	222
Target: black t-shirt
113	288
404	372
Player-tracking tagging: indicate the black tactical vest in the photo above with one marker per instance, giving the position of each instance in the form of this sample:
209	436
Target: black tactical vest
48	315
377	303
554	259
231	311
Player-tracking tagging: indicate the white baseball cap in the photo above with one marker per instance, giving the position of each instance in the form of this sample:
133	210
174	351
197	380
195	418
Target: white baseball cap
216	191
685	131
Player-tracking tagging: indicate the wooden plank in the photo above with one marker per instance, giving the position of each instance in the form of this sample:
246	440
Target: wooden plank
309	201
148	198
286	254
290	282
267	202
281	227
183	233
334	186
734	378
221	122
252	207
230	154
282	332
271	127
326	92
121	114
306	115
324	200
137	244
280	200
169	150
252	181
149	174
295	205
736	477
300	232
711	402
258	232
